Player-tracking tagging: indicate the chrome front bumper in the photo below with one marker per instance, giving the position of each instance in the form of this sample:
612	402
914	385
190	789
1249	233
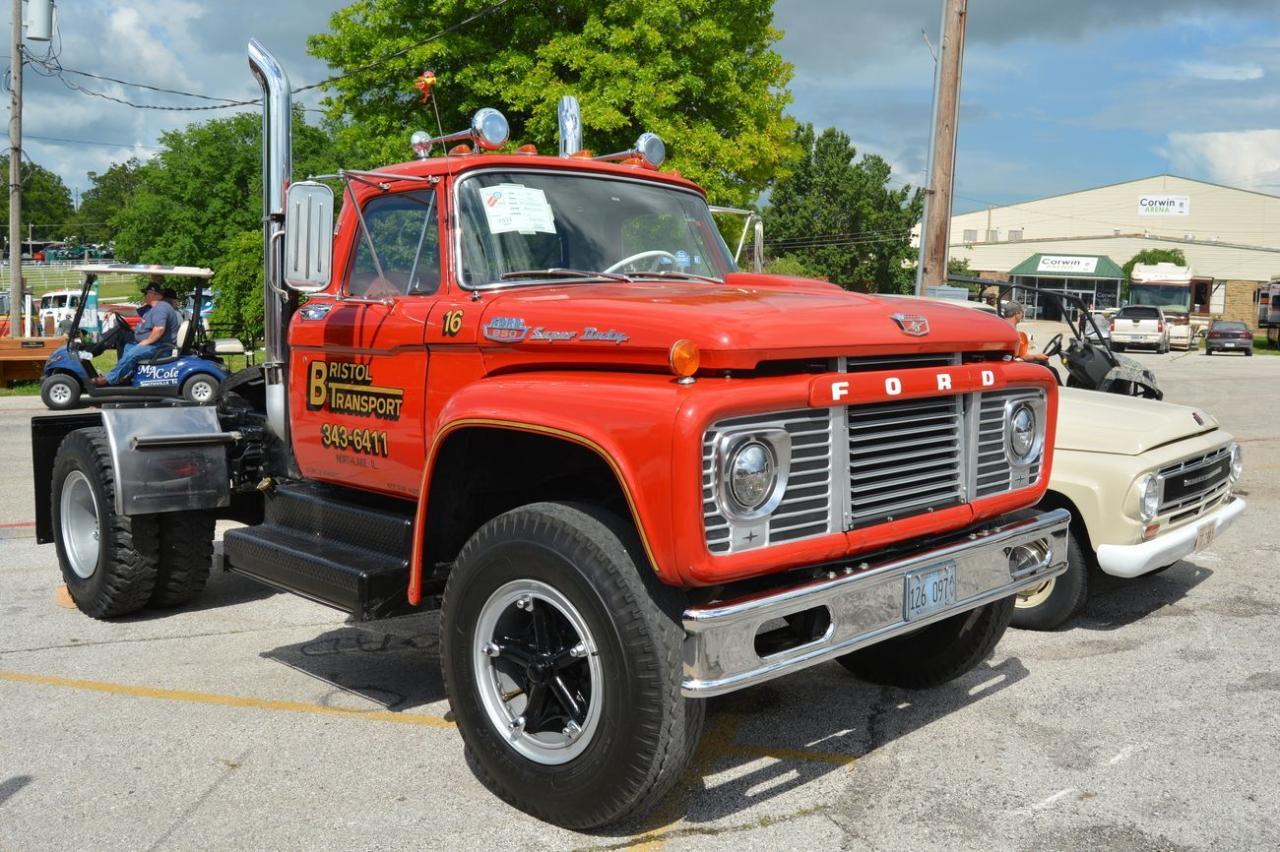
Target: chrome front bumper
860	605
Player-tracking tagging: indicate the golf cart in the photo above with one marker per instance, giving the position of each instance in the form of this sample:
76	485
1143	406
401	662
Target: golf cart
192	370
1090	362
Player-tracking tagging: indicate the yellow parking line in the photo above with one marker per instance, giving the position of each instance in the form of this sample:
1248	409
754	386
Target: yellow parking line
420	719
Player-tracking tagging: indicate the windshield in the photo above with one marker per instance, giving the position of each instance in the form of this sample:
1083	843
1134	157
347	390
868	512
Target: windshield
1171	296
516	224
1138	313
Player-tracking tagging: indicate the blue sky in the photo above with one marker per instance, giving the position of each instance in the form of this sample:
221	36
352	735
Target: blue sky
1058	94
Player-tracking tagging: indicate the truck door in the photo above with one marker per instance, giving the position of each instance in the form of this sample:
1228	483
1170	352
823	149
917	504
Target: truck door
359	364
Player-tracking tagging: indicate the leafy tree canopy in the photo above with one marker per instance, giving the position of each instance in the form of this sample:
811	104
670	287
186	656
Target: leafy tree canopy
46	203
701	74
195	201
1150	256
110	193
838	216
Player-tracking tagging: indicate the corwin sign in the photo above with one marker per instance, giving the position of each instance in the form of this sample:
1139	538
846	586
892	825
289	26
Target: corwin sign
1067	263
1164	205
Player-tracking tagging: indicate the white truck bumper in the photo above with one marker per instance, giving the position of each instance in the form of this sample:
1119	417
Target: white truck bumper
1134	560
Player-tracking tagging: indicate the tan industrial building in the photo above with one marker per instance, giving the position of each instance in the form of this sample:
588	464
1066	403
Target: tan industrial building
1229	235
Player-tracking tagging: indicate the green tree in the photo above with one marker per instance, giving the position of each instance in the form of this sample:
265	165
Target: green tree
239	277
46	203
840	218
194	201
1149	256
110	193
702	74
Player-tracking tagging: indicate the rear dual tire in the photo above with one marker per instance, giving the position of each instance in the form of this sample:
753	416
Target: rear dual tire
113	564
562	661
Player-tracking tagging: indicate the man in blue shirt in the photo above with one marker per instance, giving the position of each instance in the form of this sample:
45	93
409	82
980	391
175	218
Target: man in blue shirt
155	335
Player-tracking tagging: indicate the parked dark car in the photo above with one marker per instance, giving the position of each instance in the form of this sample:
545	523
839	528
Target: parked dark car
1229	336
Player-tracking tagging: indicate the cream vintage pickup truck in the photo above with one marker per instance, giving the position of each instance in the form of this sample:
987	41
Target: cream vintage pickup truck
1147	483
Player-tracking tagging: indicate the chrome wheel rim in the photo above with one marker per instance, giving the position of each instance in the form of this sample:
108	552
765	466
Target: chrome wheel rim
80	524
1035	595
201	391
538	672
60	393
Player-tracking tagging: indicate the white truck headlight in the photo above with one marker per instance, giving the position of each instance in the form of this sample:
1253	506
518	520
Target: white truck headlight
1237	463
753	472
1024	431
1148	497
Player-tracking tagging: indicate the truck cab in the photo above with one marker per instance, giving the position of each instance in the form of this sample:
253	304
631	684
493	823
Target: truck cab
535	392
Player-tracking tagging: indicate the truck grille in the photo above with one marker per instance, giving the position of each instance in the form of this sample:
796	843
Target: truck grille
897	460
805	510
904	458
992	472
1192	484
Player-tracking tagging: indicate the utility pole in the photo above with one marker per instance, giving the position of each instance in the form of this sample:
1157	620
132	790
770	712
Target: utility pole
15	174
935	231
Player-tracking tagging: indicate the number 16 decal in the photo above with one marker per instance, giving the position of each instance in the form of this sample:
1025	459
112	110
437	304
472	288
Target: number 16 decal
452	323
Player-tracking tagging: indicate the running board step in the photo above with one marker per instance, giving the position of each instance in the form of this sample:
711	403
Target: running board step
363	583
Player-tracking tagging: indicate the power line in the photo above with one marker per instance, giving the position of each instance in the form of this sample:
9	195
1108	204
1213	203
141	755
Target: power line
58	139
52	68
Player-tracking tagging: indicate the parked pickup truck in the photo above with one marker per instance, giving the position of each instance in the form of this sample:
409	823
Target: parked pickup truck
1140	325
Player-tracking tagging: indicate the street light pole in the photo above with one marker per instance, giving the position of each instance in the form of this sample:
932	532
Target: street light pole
15	174
935	230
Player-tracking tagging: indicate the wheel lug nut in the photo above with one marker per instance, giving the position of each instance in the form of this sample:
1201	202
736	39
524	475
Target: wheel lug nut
517	726
579	650
490	649
524	602
571	730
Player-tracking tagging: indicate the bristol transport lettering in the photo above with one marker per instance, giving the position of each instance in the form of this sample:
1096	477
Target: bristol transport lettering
346	387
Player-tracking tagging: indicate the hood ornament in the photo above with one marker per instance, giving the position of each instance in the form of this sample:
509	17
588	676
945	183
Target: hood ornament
1196	416
912	324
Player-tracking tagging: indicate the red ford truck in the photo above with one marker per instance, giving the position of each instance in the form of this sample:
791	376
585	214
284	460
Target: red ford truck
535	392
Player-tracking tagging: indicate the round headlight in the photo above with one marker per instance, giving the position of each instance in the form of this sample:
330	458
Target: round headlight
753	472
1022	432
1148	497
1237	462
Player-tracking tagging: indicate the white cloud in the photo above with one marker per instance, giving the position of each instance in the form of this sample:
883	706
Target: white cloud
1244	158
1216	71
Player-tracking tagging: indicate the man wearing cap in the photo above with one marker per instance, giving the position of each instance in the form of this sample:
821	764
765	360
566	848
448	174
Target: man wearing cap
157	333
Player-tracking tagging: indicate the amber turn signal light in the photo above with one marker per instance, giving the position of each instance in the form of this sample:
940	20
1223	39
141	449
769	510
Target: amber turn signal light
684	358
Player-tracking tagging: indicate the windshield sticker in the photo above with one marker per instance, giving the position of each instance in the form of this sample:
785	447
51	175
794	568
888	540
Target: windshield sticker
512	207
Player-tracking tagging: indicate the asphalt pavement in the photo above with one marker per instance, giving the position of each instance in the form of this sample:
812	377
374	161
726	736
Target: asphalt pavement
257	720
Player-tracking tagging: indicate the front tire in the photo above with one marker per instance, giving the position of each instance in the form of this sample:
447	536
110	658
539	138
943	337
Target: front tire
201	388
1051	604
108	560
60	392
562	663
936	654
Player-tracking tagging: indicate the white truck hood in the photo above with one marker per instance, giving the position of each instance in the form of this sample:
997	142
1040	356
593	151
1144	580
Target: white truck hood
1097	422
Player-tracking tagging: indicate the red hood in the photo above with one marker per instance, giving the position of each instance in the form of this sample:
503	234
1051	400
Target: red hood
748	319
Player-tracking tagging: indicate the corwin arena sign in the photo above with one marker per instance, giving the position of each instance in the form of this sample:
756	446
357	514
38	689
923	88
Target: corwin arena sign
1164	205
1067	263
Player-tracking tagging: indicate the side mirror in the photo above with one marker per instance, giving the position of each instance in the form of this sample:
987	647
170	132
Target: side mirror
308	236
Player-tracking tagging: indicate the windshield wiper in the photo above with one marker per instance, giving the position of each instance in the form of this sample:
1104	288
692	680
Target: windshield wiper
684	276
558	272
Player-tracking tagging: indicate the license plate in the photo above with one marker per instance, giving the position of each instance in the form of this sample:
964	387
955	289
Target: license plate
1229	345
1205	535
929	590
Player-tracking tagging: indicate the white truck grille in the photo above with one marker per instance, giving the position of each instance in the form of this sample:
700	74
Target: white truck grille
895	460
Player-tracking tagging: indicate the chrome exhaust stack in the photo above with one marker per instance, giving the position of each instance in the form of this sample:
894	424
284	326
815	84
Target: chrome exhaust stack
277	170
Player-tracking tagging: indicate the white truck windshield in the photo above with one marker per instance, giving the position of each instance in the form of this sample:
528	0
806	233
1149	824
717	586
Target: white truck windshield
554	225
